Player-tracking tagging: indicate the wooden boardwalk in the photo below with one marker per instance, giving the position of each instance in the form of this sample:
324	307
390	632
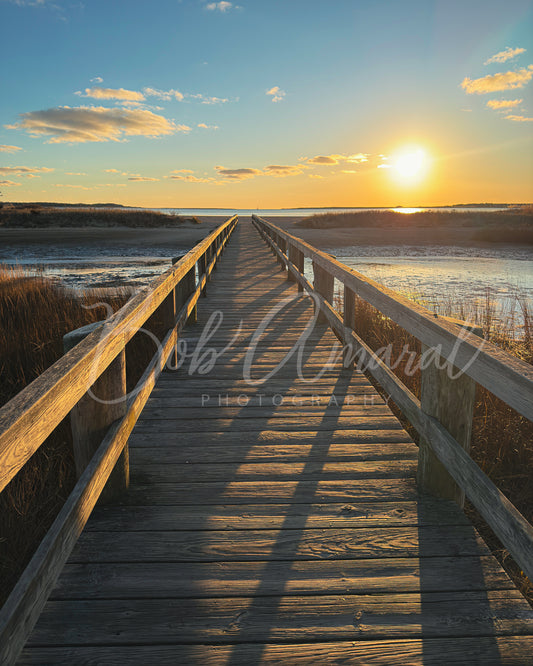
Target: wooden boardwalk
275	522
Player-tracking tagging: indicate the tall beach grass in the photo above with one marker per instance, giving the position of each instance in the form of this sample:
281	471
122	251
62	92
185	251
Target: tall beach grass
35	314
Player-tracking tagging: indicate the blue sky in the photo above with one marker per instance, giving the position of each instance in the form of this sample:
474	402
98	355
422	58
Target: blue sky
182	88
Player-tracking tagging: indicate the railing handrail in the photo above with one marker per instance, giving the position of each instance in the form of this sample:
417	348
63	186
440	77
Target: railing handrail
507	377
508	524
30	416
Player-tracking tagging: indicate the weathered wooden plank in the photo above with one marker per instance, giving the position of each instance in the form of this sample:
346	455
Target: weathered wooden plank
274	516
264	471
171	410
478	651
243	406
276	492
261	545
233	397
149	580
146	621
221	440
274	453
353	437
374	418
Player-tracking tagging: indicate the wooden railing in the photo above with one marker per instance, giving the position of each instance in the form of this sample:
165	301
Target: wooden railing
479	361
28	419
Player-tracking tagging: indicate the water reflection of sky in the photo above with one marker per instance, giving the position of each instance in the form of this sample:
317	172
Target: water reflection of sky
440	277
88	267
448	278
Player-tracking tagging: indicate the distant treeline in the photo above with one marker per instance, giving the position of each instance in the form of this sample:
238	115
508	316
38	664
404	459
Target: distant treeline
36	216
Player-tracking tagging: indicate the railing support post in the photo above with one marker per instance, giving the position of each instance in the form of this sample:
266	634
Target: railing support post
323	284
282	244
349	321
202	268
90	418
448	395
183	290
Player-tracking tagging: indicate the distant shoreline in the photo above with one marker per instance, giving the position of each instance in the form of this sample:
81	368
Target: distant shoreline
52	204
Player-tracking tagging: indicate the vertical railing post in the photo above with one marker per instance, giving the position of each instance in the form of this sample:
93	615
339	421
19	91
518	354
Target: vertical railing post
323	283
349	322
292	259
448	395
296	257
282	244
91	417
185	287
202	269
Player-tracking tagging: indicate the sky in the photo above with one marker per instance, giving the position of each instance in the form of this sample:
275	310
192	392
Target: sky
266	103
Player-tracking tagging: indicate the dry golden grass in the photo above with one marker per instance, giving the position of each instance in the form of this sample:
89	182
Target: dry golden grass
33	216
512	226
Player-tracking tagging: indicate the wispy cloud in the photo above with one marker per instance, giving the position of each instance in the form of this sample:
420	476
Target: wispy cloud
276	93
519	119
316	176
23	170
186	176
208	127
142	178
237	174
166	95
496	82
503	56
9	183
66	124
97	79
111	171
222	6
112	93
28	3
206	99
9	149
358	158
284	170
71	186
182	171
503	103
70	173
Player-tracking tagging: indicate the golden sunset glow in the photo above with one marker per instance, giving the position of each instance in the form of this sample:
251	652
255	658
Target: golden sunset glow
336	128
410	165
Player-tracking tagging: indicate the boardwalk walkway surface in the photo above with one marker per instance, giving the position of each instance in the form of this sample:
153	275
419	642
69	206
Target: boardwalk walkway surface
275	522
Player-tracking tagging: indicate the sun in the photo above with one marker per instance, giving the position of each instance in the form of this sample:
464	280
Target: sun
410	164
